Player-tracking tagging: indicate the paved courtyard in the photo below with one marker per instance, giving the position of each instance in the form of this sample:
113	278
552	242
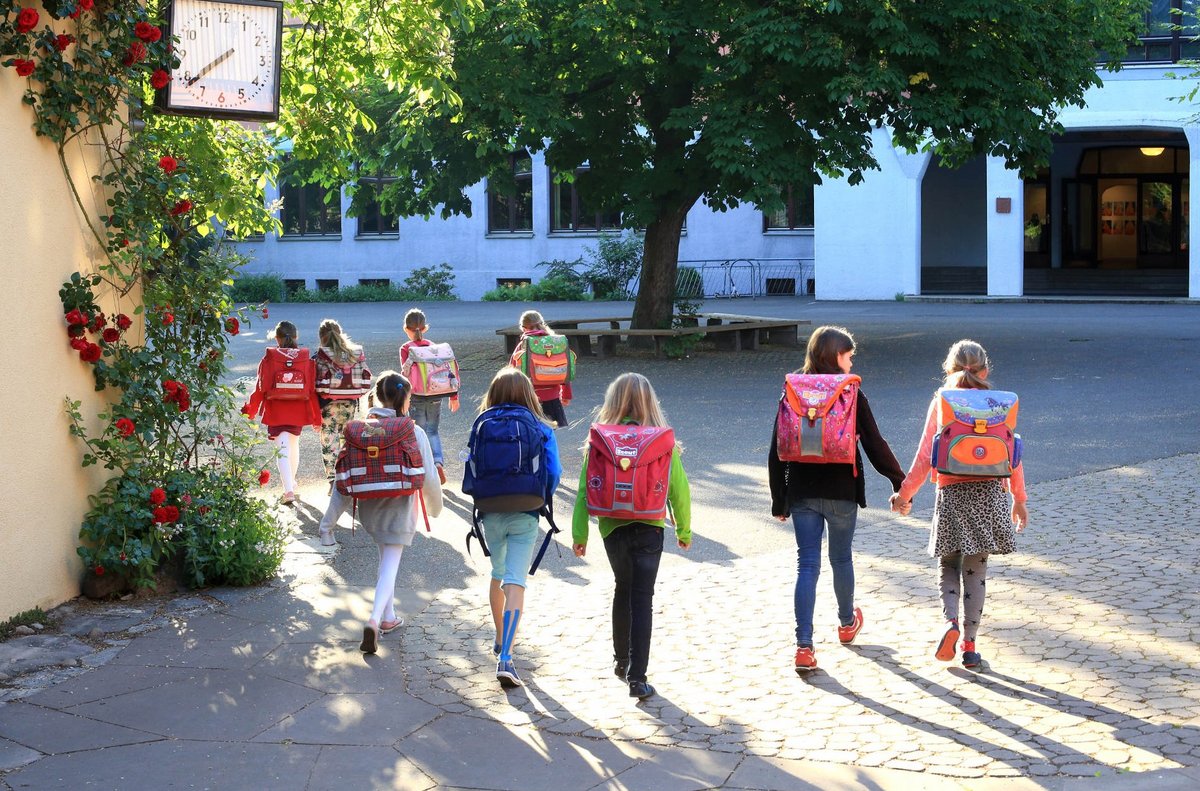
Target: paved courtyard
1089	639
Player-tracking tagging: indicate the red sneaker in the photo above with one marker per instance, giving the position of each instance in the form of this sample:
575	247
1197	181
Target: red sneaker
848	632
806	659
946	646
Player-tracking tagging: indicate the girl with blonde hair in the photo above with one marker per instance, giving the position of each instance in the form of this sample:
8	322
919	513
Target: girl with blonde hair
972	518
634	546
510	535
336	355
553	398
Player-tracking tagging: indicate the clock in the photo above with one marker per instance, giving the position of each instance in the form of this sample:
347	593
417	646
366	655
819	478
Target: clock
228	54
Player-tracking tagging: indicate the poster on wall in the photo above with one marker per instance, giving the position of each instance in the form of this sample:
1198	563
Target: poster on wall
1106	209
1130	228
1106	228
1119	208
1130	208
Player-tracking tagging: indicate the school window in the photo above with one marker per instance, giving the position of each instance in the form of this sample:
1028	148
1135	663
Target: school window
568	212
372	221
1168	33
311	210
510	210
796	212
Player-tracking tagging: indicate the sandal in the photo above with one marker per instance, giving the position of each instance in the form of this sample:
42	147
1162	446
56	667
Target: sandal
387	627
288	498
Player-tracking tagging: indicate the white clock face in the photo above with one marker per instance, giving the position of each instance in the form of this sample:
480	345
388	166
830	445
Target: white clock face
228	55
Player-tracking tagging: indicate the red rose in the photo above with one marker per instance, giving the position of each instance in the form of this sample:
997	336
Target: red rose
135	54
182	207
172	512
86	5
122	557
204	509
264	313
159	79
161	515
99	570
145	31
168	318
111	335
125	427
124	322
91	354
62	41
158	496
168	163
75	317
170	387
232	325
24	67
79	344
184	401
263	478
98	322
187	499
27	20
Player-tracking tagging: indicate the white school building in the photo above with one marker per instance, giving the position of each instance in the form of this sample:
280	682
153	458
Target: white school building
1108	216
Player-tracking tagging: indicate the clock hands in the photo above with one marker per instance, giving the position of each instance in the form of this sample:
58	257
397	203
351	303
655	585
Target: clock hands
220	59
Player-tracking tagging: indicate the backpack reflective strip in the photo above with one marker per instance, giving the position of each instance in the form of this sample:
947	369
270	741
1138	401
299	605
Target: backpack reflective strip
381	486
403	470
289	385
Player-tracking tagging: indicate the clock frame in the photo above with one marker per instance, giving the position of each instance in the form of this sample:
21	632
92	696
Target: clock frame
229	59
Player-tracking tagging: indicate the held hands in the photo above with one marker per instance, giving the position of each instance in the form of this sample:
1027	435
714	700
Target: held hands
899	505
579	549
685	546
1020	516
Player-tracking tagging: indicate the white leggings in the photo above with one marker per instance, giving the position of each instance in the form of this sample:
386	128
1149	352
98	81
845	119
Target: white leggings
289	459
385	585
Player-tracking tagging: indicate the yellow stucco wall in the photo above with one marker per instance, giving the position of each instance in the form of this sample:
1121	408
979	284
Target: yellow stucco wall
43	489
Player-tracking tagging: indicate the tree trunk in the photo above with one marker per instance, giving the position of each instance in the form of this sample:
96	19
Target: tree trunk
660	265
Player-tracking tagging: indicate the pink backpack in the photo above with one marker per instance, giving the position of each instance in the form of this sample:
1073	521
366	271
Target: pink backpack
817	421
628	467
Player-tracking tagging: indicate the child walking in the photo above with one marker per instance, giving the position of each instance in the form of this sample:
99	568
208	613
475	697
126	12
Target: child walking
286	398
553	397
342	379
511	534
390	521
972	518
426	410
817	495
634	545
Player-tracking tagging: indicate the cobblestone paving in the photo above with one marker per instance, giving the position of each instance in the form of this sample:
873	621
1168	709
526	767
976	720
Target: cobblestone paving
1089	639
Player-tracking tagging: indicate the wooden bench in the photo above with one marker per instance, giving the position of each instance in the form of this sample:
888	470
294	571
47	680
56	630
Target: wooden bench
728	330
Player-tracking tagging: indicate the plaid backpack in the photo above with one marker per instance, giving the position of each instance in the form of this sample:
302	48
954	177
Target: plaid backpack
976	433
548	360
628	470
432	370
287	374
817	421
341	382
380	457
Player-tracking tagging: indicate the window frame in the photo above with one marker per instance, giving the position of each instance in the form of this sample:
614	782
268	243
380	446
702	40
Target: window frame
1177	17
575	230
377	214
509	229
792	207
300	204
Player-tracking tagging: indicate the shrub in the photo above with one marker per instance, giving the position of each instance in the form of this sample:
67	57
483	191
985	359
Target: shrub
431	283
615	262
257	288
550	289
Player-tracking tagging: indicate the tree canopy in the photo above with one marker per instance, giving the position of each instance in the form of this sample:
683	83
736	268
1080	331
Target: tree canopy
728	100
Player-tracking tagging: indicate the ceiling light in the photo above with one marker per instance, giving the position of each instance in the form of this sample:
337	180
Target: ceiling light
1152	151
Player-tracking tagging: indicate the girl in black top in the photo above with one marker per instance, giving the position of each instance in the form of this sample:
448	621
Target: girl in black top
816	495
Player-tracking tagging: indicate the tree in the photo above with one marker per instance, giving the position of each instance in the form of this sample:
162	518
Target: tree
729	100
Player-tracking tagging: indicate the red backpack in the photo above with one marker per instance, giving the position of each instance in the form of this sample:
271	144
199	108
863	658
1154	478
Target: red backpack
342	382
380	457
287	374
817	422
628	467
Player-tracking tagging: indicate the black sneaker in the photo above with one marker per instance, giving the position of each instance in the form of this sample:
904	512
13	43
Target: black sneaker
620	670
640	690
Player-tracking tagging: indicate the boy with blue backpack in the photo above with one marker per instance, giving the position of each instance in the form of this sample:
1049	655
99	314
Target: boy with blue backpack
512	470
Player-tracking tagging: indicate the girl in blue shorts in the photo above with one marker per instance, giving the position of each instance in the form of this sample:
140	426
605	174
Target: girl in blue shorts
511	536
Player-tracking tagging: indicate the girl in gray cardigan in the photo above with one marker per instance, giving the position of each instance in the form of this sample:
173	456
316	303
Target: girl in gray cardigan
391	521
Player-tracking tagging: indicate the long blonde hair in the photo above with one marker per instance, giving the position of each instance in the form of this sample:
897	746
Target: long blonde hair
414	321
511	386
532	320
341	348
967	366
631	397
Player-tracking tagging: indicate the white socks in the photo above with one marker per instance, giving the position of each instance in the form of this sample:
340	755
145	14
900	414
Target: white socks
385	586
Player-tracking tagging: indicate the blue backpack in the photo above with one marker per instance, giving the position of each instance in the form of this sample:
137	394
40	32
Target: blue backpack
506	470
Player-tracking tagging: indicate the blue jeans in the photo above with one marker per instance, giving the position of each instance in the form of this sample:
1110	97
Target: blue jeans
809	517
426	412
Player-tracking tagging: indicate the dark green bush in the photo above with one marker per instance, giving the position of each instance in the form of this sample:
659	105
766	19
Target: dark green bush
431	283
550	289
257	288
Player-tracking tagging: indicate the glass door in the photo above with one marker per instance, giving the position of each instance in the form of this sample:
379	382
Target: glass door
1078	222
1158	231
